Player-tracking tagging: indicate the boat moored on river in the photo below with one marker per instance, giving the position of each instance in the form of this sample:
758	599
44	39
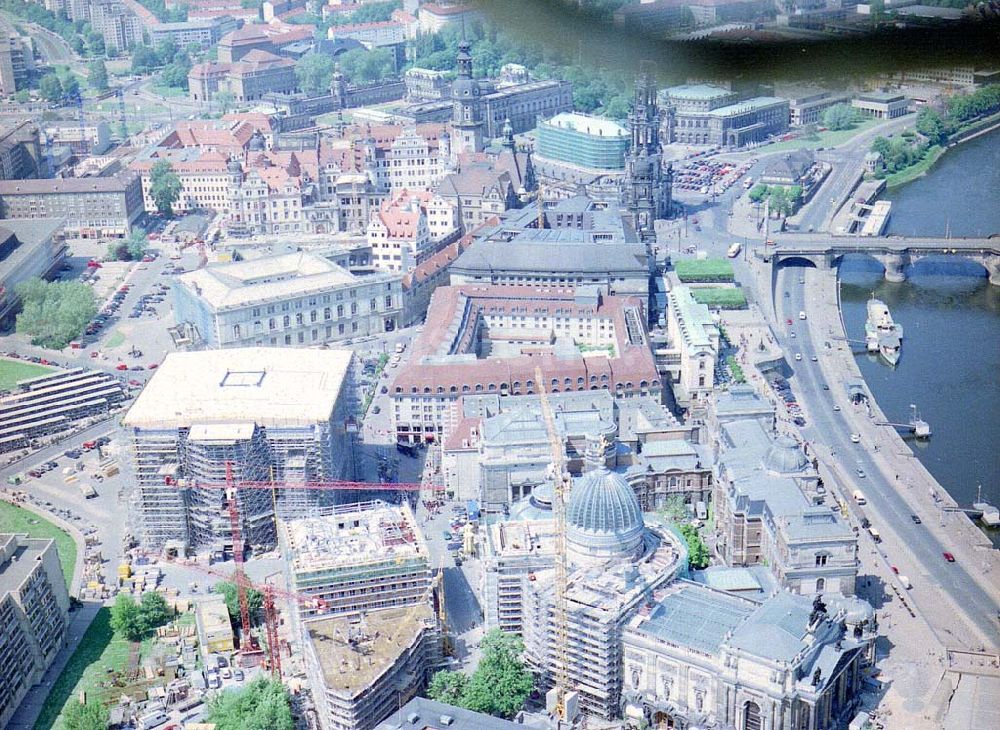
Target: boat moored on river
882	334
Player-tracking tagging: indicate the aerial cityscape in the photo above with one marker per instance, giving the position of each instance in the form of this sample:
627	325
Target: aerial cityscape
467	365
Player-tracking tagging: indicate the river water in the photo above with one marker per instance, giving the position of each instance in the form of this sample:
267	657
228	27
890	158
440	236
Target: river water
950	364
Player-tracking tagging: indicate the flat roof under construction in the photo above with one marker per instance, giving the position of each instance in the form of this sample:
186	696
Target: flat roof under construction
263	385
352	657
353	535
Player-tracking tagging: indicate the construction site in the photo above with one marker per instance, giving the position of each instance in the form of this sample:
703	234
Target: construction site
204	421
358	557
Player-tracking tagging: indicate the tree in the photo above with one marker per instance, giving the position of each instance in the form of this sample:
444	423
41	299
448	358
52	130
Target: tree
882	146
313	71
499	686
225	100
757	193
91	716
23	96
70	86
361	66
154	611
447	686
698	555
165	187
931	125
166	50
144	59
840	116
675	509
255	599
137	244
50	87
98	75
261	705
55	313
126	618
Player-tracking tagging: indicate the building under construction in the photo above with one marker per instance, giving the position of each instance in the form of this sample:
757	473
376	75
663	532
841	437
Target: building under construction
363	667
250	415
358	557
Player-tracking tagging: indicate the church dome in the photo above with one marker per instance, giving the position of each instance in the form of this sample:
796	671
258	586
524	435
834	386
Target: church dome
785	456
257	142
603	517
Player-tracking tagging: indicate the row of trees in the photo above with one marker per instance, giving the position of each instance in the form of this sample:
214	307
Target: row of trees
783	200
698	555
53	314
135	621
961	109
175	63
499	686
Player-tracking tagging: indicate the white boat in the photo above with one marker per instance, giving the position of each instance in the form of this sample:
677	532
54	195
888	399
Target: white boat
882	334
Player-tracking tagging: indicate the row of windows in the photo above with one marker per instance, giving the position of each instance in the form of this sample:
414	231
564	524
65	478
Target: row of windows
567	382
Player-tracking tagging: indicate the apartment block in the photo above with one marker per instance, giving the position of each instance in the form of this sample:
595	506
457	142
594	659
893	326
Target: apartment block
34	608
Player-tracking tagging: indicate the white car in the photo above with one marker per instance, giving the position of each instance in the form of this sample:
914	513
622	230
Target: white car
798	356
855	438
836	408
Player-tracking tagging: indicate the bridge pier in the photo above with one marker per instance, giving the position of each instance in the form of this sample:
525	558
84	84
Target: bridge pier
992	264
895	266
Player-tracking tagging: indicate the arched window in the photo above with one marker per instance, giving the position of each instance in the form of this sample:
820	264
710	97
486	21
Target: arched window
751	717
820	585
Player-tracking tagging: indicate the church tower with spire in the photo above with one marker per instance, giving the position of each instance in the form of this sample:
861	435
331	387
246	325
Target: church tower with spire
466	106
646	186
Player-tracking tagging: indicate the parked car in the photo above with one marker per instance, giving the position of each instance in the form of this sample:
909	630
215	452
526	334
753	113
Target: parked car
916	520
948	556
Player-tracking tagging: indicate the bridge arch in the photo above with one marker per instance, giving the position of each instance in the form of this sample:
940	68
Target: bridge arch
967	264
797	262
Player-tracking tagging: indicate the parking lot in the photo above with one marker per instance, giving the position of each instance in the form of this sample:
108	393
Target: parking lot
710	176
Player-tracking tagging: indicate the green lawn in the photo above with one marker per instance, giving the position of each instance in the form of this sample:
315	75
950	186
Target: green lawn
12	371
17	519
115	340
820	139
168	91
86	670
717	296
709	270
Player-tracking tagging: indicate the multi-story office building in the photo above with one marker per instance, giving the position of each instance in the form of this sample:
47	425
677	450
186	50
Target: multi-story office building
28	248
246	415
288	300
92	207
705	657
34	608
115	20
21	152
806	105
702	114
204	33
587	142
357	558
16	63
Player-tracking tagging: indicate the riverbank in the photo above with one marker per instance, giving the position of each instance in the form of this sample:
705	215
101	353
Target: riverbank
935	152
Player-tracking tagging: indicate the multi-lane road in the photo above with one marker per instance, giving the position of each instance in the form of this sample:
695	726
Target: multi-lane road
886	506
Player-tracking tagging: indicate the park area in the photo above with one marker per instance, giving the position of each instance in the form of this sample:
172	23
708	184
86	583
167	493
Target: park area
704	270
720	297
17	519
11	371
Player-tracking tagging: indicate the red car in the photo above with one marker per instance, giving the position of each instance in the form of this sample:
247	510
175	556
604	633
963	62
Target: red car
894	569
121	366
949	557
153	366
92	264
135	383
788	321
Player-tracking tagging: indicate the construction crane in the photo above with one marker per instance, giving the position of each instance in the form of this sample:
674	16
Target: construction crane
561	486
240	576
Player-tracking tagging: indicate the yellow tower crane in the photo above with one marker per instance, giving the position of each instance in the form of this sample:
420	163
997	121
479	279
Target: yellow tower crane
561	486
